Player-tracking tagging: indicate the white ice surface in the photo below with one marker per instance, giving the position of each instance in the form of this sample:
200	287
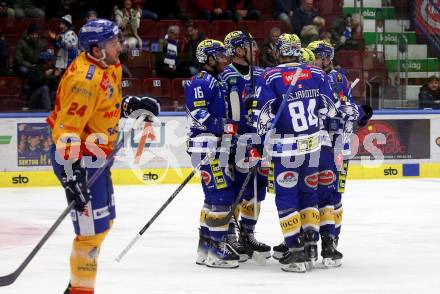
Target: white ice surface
390	240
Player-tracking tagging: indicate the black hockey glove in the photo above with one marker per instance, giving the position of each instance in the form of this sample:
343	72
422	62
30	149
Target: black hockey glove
132	103
76	186
368	114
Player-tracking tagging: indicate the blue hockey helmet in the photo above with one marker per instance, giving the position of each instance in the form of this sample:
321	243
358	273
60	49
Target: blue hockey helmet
96	33
322	49
237	39
208	48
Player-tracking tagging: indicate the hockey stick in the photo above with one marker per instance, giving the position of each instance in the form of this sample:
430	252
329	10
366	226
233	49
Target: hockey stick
9	279
162	208
218	222
343	166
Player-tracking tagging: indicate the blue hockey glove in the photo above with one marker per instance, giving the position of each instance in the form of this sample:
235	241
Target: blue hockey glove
368	114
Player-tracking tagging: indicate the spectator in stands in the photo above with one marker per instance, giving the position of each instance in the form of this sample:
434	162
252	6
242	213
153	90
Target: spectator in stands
243	9
213	10
4	54
169	9
283	10
128	19
42	82
170	65
267	58
91	15
193	38
146	14
27	8
326	36
27	50
303	16
310	33
429	95
342	31
66	42
319	23
6	11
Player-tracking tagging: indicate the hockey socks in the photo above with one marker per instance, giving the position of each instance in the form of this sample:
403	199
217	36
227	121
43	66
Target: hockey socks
84	262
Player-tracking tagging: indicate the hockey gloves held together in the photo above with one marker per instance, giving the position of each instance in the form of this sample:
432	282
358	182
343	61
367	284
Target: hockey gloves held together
76	186
145	105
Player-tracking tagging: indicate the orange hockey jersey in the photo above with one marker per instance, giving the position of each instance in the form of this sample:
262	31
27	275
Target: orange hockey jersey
87	108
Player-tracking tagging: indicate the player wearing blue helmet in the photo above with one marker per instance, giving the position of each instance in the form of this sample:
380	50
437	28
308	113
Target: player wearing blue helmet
88	92
205	106
239	78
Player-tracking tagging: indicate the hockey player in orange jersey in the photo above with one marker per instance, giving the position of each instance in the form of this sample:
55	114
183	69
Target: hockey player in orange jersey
84	125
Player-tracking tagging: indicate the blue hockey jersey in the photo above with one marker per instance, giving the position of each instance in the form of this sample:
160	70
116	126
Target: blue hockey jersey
297	131
350	111
206	109
240	94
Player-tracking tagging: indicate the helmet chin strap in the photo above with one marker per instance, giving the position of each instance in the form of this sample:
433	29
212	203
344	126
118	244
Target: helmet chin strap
99	60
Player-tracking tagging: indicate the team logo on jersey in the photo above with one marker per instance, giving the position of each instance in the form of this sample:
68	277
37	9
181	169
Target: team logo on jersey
90	72
206	177
264	118
339	78
287	179
288	76
326	177
311	180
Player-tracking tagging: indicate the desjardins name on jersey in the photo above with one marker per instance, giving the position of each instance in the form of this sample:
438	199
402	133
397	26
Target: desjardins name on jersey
301	94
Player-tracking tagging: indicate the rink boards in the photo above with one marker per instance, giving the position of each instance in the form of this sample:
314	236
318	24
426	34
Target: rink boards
412	149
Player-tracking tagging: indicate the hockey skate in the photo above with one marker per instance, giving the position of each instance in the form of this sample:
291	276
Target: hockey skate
279	251
310	249
330	256
294	260
202	249
220	255
237	247
248	241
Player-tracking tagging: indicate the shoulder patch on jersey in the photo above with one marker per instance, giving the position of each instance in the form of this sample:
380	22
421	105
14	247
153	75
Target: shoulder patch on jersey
339	77
90	72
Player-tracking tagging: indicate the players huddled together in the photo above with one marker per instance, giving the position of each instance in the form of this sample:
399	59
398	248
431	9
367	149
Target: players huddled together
285	130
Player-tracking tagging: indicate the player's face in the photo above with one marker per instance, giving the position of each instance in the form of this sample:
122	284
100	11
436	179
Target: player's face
252	54
113	49
222	62
318	61
326	62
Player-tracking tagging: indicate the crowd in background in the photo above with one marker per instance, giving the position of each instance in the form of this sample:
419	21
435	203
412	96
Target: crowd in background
40	57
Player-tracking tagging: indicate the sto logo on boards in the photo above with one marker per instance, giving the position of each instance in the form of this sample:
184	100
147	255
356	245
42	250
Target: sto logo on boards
390	172
20	180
